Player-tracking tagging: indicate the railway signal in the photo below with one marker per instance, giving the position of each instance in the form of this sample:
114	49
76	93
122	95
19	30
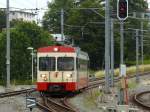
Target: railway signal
122	14
122	9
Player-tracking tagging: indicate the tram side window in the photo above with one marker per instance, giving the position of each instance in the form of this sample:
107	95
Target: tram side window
47	63
65	63
82	64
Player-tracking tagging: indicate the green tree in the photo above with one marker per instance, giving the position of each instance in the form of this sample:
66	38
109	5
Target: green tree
51	19
23	35
91	31
90	36
82	18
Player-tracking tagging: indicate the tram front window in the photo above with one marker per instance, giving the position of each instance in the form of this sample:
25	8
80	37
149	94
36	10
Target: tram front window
65	64
47	63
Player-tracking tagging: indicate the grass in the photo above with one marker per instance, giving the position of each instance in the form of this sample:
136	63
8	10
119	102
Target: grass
132	84
19	82
130	70
91	97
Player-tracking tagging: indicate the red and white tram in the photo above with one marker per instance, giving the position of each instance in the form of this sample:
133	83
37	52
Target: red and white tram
61	68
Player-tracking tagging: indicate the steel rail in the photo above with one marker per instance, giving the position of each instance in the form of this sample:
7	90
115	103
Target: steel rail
13	93
40	104
50	105
96	83
138	101
59	107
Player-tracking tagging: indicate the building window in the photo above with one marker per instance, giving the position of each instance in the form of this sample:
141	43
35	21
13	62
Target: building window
13	13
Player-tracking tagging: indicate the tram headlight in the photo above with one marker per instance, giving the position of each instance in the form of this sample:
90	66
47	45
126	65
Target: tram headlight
55	49
44	77
69	75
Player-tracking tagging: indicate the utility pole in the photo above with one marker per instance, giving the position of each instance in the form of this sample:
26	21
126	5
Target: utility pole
37	20
8	46
112	52
62	24
137	55
121	42
142	57
107	54
32	64
137	52
121	94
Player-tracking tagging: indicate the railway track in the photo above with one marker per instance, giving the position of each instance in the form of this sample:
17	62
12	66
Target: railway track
55	105
61	105
140	101
13	93
97	81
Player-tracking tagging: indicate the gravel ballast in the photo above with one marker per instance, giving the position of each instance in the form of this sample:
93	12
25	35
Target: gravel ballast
15	103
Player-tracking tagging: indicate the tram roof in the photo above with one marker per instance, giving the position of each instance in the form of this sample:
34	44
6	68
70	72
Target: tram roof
65	48
56	49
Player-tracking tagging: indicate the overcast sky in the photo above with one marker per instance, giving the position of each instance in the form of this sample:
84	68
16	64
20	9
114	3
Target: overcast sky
25	3
29	4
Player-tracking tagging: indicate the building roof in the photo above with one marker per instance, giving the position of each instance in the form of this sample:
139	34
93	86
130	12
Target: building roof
17	11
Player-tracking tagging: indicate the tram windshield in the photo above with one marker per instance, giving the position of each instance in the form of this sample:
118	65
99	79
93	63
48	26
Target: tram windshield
65	63
47	63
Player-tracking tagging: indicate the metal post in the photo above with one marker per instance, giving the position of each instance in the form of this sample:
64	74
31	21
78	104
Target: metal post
32	64
82	29
137	55
62	24
72	42
121	101
37	20
8	46
122	42
107	35
32	54
142	57
112	53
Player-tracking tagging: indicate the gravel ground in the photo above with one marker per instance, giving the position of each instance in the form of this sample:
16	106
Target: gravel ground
82	104
15	103
144	85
